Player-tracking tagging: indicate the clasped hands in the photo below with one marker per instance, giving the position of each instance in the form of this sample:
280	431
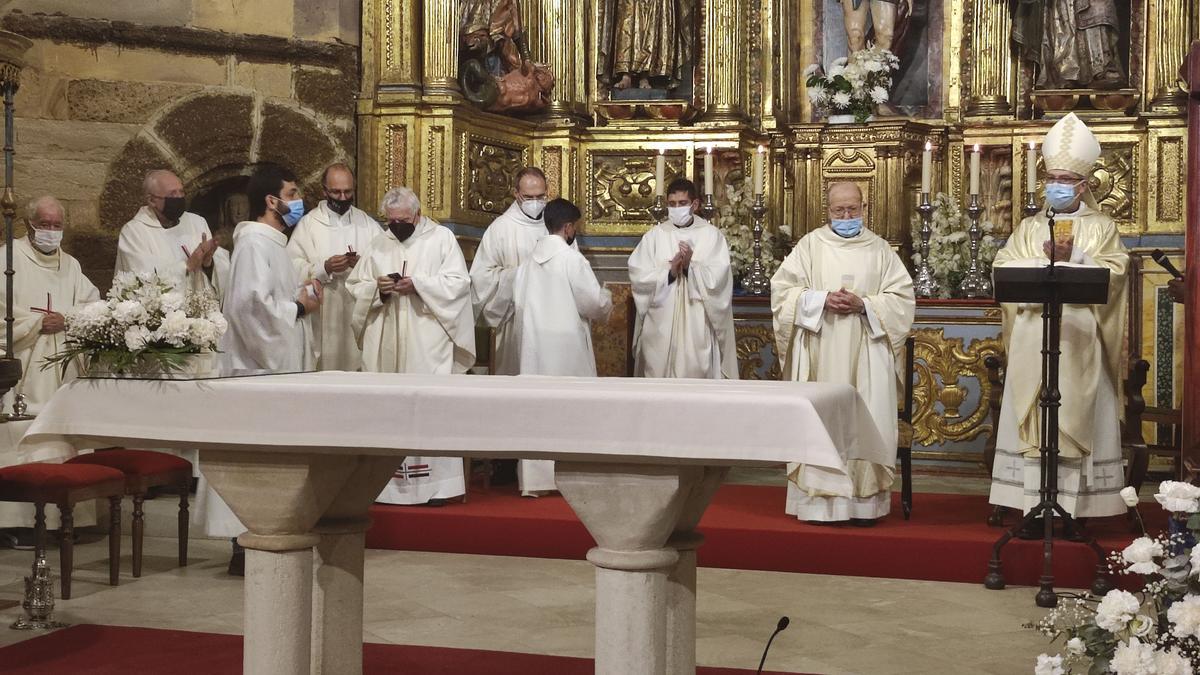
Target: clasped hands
1062	251
201	257
682	260
399	285
843	301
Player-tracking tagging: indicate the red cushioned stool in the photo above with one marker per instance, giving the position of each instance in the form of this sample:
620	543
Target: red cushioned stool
145	469
65	485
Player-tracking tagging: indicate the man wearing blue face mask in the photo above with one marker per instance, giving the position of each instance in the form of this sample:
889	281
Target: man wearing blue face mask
843	305
1090	473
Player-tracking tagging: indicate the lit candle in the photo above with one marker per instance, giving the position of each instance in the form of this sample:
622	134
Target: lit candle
759	158
975	170
1031	169
926	167
660	174
708	171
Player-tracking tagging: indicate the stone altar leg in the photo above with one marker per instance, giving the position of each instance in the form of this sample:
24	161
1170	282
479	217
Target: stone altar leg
630	510
278	497
681	583
337	592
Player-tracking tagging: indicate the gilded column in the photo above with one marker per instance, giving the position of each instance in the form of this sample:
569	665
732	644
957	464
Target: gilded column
441	47
988	59
723	44
564	44
395	39
1168	50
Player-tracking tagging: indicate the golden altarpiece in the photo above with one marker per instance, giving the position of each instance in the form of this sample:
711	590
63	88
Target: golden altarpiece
428	120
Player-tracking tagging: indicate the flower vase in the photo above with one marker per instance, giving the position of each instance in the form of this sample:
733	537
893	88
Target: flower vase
841	119
196	366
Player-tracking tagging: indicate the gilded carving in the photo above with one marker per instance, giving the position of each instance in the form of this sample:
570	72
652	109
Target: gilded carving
491	166
396	160
1170	179
755	347
941	364
621	189
1113	182
435	152
552	166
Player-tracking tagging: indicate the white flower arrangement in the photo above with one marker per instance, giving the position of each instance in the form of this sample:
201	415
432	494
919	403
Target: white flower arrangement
950	245
736	222
852	85
146	322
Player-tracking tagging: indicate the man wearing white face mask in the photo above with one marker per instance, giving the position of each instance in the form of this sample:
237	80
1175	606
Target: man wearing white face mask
683	289
843	304
48	283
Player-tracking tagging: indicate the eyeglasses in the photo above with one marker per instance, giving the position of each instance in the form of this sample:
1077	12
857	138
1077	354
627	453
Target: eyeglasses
846	211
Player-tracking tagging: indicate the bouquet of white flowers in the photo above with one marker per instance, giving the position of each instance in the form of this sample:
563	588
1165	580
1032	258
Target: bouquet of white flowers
949	245
147	323
1153	632
736	222
853	85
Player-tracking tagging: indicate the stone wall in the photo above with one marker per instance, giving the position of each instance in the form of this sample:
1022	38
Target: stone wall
206	88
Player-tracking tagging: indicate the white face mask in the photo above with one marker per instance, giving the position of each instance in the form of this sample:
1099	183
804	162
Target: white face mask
533	207
680	216
47	241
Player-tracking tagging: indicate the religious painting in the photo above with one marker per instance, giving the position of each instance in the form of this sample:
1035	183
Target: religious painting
647	49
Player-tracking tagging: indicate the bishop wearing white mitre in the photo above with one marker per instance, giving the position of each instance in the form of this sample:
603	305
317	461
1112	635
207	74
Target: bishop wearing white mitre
1090	474
843	305
683	288
413	314
557	296
325	246
164	237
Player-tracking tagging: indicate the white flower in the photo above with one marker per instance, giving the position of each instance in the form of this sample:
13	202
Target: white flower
1194	559
218	321
835	70
1048	665
174	329
1184	616
1178	497
1139	556
1076	646
879	95
129	312
137	337
1171	663
841	100
811	70
818	95
1116	609
1140	626
841	61
171	301
1129	496
1133	658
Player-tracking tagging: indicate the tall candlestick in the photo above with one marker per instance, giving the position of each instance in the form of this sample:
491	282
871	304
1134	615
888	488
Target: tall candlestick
708	171
926	167
975	171
1031	169
759	157
660	174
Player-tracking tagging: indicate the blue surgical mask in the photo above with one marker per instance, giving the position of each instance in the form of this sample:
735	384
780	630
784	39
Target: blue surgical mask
294	213
1060	197
846	227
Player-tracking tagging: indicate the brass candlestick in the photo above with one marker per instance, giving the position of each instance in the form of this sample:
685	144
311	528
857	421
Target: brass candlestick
757	283
659	210
975	284
708	210
925	285
39	585
1031	206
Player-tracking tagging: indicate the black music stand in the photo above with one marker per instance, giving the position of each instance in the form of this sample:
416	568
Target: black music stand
1052	287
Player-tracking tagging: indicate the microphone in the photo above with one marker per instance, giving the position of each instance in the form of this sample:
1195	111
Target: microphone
1165	262
783	623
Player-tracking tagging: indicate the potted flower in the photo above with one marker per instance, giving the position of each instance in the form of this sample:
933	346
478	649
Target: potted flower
736	221
950	245
853	86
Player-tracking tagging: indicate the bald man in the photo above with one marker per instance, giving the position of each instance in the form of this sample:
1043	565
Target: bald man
325	246
164	237
843	305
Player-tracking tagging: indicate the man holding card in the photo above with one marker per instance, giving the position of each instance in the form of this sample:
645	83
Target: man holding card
325	246
412	314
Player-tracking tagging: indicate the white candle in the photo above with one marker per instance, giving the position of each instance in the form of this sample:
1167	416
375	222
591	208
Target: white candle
1031	169
926	167
759	157
975	170
708	171
660	174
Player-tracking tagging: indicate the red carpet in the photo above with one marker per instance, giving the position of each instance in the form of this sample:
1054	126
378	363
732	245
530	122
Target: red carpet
116	650
946	540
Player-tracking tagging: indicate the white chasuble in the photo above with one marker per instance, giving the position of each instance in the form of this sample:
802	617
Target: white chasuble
505	245
684	326
429	332
146	246
1090	473
320	235
861	350
556	297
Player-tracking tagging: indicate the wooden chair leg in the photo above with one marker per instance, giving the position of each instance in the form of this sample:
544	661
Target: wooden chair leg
66	547
114	540
1139	464
139	528
39	530
906	482
183	524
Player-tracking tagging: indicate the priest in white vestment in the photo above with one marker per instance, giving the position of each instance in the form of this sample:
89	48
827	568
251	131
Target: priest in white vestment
556	297
683	288
163	237
326	246
843	306
1090	472
413	314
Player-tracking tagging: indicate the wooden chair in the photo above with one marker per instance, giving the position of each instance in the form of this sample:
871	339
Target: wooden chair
143	470
1137	413
904	447
65	485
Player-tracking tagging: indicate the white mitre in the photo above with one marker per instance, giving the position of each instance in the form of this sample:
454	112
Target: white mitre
1071	146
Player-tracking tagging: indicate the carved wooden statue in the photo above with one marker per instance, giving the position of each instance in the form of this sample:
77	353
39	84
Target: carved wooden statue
496	70
1073	44
645	44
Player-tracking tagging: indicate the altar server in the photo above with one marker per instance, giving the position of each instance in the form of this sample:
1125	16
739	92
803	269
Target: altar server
325	246
164	237
556	297
1090	473
843	306
48	282
412	314
683	289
